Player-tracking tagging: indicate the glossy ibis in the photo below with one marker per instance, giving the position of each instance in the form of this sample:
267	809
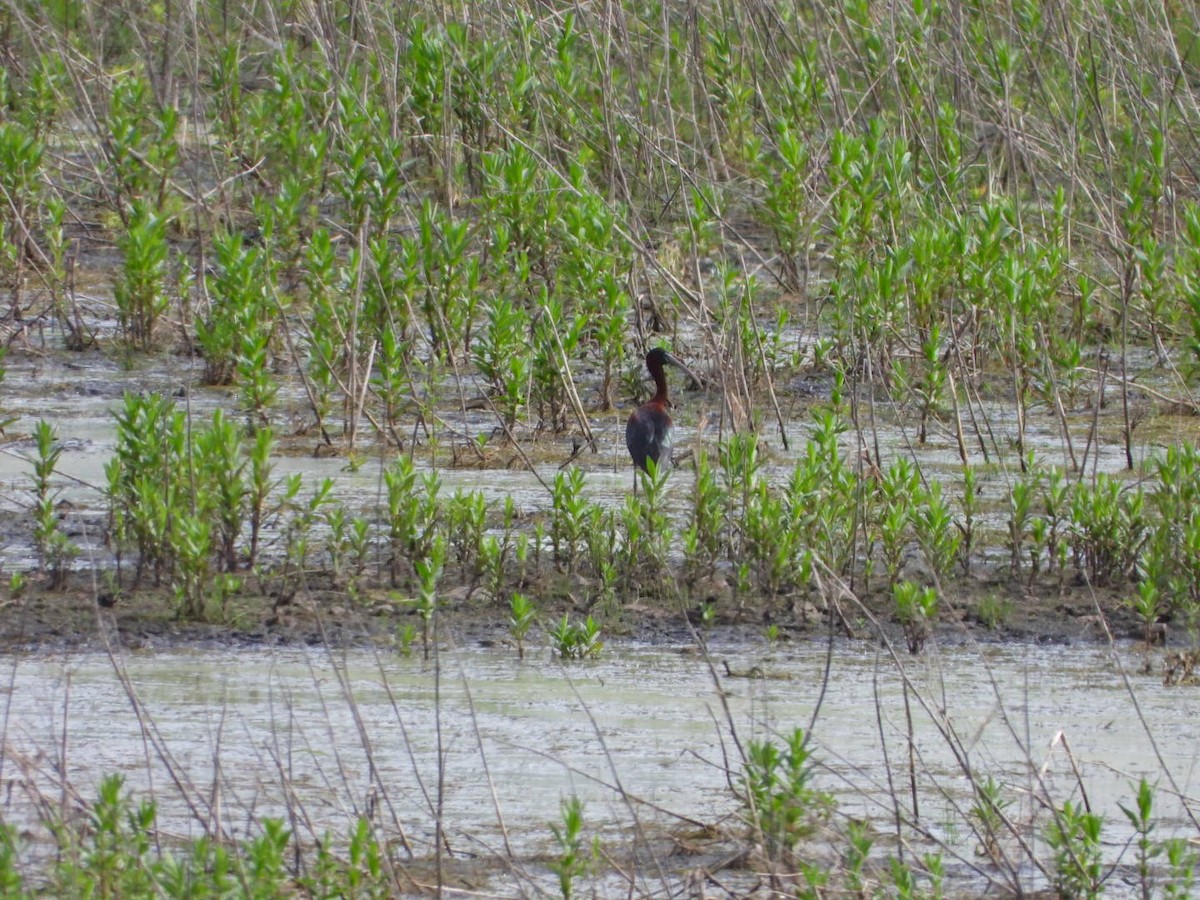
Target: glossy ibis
648	431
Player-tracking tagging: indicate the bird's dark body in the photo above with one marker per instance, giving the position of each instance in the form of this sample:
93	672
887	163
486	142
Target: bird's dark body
648	431
648	434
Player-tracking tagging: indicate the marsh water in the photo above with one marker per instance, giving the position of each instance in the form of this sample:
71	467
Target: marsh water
650	737
80	395
646	736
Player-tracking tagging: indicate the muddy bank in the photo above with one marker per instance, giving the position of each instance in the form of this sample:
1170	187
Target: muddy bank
144	620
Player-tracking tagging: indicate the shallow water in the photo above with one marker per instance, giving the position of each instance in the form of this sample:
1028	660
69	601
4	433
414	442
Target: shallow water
641	735
79	393
645	735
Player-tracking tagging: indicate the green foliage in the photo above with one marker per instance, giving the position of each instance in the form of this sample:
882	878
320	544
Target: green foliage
259	487
221	463
934	530
785	177
824	496
899	488
1108	529
12	884
521	616
556	337
569	517
302	517
117	860
501	354
573	859
1181	863
347	547
183	498
647	529
508	139
327	339
118	853
988	817
1141	818
144	480
858	834
192	547
140	290
21	156
466	517
141	145
54	549
1020	511
1074	836
467	162
496	552
429	572
916	608
390	214
447	278
413	514
576	640
779	799
237	291
704	539
1146	603
994	610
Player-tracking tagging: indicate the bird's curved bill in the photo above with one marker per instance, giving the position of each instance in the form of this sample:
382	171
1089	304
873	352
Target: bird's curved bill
674	361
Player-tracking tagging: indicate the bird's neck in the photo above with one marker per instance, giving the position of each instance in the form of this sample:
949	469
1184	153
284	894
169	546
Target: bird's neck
660	386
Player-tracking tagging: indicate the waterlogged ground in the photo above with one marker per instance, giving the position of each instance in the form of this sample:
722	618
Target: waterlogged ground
645	736
79	393
226	722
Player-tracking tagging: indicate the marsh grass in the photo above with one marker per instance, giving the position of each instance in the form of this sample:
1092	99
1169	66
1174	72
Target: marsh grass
373	228
883	232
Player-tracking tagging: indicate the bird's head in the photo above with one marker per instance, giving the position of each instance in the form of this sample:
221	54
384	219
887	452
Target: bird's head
658	357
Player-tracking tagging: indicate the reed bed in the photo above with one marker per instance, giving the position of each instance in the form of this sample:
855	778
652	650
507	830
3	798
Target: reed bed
935	264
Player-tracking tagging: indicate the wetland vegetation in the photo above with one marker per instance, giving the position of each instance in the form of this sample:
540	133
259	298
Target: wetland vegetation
937	267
